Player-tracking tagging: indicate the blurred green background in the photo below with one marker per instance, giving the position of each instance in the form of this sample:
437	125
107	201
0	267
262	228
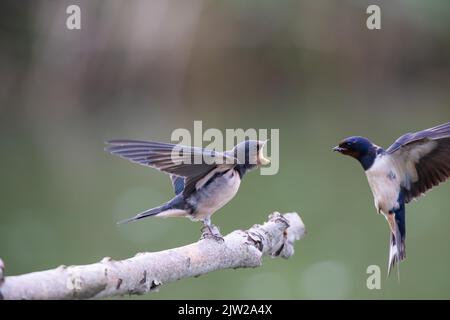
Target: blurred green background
140	69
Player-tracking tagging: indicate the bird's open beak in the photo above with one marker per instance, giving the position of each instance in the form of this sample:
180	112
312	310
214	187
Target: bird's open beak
338	149
263	161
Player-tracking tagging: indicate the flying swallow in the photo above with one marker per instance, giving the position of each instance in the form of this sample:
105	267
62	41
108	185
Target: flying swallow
203	180
412	165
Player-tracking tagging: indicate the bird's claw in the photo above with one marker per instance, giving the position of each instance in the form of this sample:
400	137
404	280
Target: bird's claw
207	235
211	232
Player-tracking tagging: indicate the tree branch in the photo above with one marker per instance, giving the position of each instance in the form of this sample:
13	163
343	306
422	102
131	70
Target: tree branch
146	272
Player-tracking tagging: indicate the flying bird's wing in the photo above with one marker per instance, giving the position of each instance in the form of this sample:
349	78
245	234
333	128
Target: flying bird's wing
176	160
424	158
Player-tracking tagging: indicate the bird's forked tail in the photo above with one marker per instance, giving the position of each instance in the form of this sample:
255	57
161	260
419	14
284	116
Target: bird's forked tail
397	245
144	214
173	208
397	253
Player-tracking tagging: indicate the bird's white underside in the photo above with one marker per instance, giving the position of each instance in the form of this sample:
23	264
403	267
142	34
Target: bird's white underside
383	178
216	194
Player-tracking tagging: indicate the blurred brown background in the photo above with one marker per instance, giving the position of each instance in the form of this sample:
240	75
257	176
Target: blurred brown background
140	69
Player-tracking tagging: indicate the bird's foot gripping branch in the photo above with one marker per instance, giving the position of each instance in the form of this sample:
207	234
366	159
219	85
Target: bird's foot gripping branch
211	232
146	272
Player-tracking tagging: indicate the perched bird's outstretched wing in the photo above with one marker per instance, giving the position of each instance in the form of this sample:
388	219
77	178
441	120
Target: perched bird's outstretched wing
176	160
423	158
177	183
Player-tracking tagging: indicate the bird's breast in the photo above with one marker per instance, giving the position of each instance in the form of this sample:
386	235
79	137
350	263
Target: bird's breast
384	182
216	193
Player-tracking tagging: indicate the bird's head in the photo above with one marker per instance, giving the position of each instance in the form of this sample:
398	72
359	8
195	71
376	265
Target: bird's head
251	153
359	148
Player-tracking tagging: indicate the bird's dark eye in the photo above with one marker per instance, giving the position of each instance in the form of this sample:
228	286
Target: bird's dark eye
348	144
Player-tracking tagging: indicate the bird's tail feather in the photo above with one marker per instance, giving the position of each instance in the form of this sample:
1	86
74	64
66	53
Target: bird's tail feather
397	252
397	247
144	214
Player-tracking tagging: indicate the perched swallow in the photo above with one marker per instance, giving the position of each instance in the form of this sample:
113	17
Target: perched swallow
203	180
412	165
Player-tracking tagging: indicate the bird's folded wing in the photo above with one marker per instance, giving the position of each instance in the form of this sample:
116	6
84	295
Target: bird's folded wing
191	163
424	158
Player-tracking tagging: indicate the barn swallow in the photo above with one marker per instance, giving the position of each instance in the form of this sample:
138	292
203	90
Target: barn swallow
203	180
412	165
